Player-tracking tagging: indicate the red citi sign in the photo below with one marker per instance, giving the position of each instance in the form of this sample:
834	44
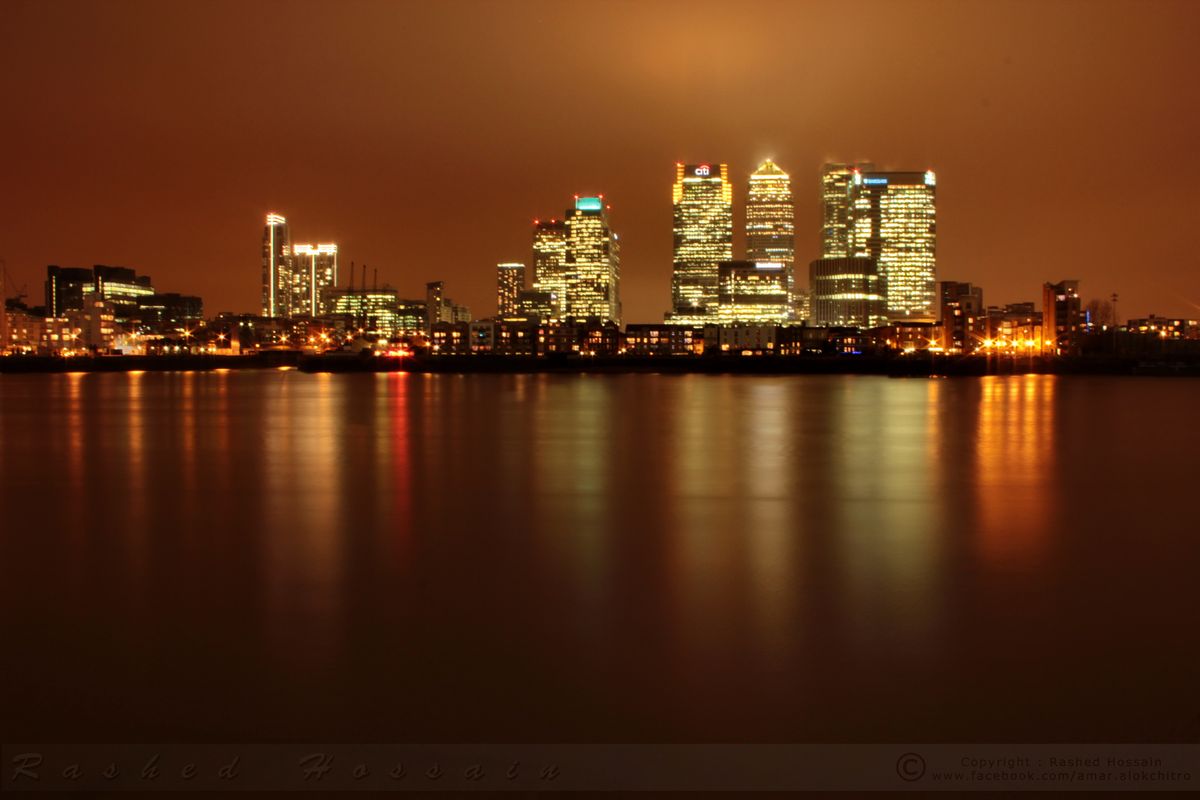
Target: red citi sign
702	170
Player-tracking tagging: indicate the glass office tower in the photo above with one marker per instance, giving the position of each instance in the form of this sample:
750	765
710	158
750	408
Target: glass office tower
703	228
276	267
894	222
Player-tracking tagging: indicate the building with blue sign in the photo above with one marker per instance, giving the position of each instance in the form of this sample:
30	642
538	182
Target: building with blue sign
893	221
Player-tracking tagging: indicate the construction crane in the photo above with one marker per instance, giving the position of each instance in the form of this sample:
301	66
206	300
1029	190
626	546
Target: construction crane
5	282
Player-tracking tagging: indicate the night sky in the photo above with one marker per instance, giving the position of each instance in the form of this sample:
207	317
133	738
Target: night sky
425	137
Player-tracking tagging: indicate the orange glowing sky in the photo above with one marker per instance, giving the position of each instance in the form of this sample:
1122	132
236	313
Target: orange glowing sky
424	137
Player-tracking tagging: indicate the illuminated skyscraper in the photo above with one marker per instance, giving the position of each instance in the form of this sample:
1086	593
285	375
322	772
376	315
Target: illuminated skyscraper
276	267
753	291
770	216
510	282
314	272
894	222
847	292
771	223
550	260
837	183
703	199
593	262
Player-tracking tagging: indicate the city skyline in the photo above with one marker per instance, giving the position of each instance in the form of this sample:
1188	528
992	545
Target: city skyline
400	395
998	104
851	225
885	218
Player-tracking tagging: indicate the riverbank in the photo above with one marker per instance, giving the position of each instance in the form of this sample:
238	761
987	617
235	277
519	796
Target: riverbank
909	365
270	359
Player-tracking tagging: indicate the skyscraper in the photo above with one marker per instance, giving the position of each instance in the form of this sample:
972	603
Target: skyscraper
593	262
847	292
550	260
435	304
771	224
894	222
510	282
315	271
770	216
837	182
276	267
66	288
703	199
753	291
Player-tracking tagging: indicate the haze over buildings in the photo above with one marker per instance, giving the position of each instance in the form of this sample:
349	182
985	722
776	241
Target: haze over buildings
991	100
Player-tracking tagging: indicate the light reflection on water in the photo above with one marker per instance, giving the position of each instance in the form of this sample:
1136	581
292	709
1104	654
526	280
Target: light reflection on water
1016	465
556	556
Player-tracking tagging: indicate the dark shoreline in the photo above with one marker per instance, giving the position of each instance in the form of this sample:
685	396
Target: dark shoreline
912	365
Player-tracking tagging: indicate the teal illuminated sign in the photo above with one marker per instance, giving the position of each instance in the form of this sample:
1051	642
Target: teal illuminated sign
589	204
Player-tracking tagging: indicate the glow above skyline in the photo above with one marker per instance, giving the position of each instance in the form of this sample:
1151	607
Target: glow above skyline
114	156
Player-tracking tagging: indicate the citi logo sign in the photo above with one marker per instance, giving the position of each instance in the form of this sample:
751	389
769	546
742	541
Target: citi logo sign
702	170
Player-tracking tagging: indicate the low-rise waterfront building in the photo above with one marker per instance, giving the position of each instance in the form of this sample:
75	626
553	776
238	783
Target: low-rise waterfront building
482	336
516	336
805	340
960	306
747	339
1164	327
661	339
450	338
909	336
1062	319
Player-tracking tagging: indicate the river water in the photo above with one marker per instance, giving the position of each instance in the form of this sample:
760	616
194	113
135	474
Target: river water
270	555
